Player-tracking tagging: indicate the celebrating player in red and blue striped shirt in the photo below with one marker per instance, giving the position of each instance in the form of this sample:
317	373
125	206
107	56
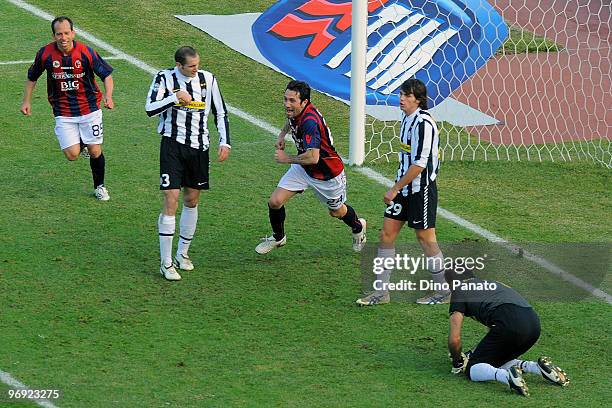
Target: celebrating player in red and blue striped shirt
74	96
316	166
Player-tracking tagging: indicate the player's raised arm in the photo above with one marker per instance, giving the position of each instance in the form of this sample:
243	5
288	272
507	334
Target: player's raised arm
160	97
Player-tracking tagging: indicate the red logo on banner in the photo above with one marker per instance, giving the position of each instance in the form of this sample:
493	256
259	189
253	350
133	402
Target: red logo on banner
292	26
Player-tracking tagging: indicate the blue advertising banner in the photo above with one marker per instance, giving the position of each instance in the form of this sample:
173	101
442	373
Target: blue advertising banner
441	42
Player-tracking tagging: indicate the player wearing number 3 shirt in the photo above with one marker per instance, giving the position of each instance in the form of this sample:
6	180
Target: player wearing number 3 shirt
183	97
316	166
75	96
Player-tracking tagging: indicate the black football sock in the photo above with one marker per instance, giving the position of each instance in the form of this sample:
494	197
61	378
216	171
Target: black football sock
97	169
277	221
350	219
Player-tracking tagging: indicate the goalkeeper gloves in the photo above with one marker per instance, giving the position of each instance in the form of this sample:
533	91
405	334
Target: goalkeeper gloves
459	366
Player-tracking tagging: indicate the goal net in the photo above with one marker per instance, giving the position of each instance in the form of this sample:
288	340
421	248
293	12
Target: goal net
507	80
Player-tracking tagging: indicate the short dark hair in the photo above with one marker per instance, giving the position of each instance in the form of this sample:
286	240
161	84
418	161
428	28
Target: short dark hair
418	89
451	275
61	19
301	87
183	52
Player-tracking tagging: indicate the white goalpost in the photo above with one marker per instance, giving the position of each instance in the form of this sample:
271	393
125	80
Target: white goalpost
358	83
507	79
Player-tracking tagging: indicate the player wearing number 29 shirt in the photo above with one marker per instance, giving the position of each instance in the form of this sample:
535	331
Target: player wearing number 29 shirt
413	199
72	91
183	97
316	166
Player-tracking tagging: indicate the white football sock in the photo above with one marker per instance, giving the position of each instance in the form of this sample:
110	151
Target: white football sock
486	372
189	219
166	226
385	275
435	265
527	366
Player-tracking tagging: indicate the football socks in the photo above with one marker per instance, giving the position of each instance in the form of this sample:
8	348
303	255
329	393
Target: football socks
486	372
527	366
166	225
187	223
435	265
97	169
384	253
351	219
277	221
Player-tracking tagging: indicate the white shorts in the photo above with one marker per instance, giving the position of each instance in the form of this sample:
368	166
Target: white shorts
331	193
71	129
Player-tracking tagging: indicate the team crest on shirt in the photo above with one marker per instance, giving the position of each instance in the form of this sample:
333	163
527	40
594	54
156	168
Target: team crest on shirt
56	64
441	42
77	64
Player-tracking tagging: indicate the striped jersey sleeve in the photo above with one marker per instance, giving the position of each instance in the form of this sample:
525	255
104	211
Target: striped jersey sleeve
100	67
419	146
424	136
160	98
219	111
38	66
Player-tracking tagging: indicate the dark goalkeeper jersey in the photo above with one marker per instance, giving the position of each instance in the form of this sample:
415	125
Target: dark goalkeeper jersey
481	303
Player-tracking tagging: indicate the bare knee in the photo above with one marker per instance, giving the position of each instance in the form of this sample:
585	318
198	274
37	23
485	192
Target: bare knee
427	240
71	154
386	237
275	202
94	151
191	202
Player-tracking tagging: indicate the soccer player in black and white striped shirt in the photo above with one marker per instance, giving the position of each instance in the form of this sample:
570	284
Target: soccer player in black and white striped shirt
183	97
413	199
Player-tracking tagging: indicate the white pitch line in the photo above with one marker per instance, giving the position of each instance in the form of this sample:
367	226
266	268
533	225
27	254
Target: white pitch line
13	383
15	62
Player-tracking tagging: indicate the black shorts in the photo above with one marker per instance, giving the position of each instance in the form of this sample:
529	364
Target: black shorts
515	330
182	166
418	209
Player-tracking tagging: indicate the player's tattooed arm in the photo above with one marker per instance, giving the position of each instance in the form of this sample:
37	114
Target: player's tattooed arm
310	156
280	141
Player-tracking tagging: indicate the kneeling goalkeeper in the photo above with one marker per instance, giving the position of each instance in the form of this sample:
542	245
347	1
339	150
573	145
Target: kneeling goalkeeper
514	327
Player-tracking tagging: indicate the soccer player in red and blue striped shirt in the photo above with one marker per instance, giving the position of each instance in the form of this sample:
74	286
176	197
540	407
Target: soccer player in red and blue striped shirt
74	96
316	166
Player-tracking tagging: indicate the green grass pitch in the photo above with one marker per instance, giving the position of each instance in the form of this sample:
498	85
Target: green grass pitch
84	310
